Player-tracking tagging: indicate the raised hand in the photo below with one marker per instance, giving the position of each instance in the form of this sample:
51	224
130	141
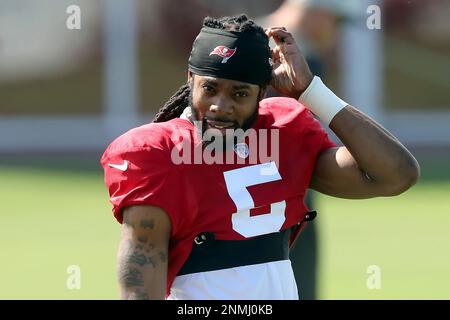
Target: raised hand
291	74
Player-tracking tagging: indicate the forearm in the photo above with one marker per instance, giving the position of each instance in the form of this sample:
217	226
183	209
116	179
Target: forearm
142	270
372	163
377	152
142	258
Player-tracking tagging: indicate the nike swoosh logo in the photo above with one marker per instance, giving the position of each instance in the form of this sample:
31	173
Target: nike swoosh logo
121	167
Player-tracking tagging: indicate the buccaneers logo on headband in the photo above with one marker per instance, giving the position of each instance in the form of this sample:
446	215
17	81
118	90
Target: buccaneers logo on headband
225	52
250	64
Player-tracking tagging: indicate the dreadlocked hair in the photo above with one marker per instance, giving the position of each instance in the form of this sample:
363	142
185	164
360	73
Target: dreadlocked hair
180	99
175	106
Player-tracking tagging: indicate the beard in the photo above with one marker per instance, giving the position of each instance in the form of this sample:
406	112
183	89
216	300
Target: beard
229	139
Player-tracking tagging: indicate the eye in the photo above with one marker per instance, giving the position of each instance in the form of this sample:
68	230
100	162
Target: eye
208	88
241	94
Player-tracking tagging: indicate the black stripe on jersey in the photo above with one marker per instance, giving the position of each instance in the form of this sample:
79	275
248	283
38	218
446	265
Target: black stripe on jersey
209	254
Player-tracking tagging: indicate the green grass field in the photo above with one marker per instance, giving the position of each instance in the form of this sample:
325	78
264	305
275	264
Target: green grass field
56	214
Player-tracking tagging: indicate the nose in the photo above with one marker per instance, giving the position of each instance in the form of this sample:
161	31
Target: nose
222	106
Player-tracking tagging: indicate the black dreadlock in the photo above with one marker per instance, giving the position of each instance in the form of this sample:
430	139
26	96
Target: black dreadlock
175	106
180	100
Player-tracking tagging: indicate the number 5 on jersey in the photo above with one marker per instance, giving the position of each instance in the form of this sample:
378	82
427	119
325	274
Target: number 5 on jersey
237	181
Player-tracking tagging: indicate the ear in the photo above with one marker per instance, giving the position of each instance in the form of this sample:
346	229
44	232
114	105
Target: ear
262	92
190	78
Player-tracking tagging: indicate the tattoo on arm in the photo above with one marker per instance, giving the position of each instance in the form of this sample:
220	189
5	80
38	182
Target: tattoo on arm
142	259
132	277
142	239
137	257
147	224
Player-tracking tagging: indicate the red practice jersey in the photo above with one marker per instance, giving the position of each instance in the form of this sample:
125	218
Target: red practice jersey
233	201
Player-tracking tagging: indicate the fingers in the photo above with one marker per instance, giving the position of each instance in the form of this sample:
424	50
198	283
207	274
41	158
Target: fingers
280	35
275	53
267	29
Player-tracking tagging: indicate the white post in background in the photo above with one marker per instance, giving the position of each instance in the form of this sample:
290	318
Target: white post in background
361	59
120	69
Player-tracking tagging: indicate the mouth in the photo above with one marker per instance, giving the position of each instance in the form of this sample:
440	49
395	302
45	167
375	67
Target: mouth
221	125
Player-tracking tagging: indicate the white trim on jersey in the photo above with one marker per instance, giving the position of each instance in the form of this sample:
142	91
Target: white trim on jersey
264	281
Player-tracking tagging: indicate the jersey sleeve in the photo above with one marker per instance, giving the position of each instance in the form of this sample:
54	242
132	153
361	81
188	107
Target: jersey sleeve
314	125
291	114
141	175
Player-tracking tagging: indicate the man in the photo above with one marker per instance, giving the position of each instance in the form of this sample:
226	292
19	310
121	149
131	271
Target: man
221	230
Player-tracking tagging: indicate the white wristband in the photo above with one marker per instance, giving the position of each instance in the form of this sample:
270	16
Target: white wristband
321	100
